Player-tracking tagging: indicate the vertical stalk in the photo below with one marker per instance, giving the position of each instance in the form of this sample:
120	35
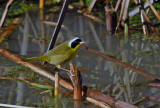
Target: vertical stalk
57	102
121	14
77	82
41	3
111	19
58	27
78	86
125	19
142	19
56	91
126	29
59	23
90	7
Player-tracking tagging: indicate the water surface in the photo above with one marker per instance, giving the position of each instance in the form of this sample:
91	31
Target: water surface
104	76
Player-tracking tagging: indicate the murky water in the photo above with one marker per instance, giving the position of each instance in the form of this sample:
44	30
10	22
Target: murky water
105	76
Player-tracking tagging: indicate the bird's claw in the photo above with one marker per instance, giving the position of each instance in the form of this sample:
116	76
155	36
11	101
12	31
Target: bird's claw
72	74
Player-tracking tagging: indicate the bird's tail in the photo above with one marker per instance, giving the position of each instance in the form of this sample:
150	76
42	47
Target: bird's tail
39	58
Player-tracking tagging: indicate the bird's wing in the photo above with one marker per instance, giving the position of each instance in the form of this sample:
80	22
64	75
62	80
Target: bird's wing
60	49
60	59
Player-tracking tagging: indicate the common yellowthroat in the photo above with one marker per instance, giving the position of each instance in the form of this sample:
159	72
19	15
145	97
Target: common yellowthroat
61	54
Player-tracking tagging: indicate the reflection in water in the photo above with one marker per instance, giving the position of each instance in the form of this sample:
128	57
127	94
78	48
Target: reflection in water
105	76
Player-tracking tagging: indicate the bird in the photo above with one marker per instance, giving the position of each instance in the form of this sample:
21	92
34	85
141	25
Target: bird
61	54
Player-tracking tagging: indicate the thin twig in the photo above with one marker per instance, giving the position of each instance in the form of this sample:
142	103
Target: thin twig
153	98
90	7
54	24
92	17
117	5
153	9
5	12
7	31
119	62
121	14
154	84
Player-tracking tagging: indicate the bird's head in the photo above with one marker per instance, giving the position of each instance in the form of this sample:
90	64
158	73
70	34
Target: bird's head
75	43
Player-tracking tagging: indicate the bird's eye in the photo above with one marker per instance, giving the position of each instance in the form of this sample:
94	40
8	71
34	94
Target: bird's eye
78	40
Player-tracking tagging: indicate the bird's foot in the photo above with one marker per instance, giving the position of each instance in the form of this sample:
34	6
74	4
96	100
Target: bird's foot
69	71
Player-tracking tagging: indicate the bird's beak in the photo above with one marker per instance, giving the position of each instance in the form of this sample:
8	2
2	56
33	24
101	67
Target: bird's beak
82	42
